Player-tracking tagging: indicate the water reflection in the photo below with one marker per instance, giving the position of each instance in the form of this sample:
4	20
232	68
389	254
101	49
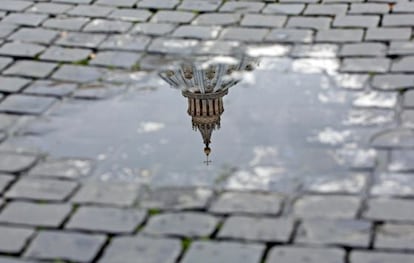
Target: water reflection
204	84
280	127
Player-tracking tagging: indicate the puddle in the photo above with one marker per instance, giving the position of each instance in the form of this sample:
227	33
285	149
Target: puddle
238	123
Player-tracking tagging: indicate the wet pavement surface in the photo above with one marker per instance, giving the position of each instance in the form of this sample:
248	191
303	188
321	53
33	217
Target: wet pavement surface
168	131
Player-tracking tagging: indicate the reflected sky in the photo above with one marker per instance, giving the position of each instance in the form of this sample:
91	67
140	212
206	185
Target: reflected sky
278	127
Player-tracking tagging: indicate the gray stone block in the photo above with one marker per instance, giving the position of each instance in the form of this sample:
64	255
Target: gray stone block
165	16
126	42
393	236
388	34
242	7
14	239
200	5
156	29
244	34
340	35
327	206
4	62
35	214
107	26
401	48
356	21
30	68
262	229
90	11
363	50
14	5
34	35
81	40
352	233
247	203
63	168
80	74
66	23
13	84
198	32
285	254
118	59
374	256
26	104
106	219
401	161
285	9
25	19
118	3
398	20
256	20
309	22
141	250
369	8
176	198
41	189
62	54
14	163
326	9
158	4
173	46
17	49
117	194
404	64
290	35
50	8
378	65
132	15
207	251
188	224
51	245
384	209
51	88
217	19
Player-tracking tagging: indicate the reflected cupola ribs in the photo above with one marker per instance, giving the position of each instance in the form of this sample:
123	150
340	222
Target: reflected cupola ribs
204	87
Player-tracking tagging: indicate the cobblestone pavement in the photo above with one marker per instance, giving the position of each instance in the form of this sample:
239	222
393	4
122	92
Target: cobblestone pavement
49	49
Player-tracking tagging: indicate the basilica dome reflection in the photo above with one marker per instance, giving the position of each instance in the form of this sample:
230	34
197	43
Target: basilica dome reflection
204	83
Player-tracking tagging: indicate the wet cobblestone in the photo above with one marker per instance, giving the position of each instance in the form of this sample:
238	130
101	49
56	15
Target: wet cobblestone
54	51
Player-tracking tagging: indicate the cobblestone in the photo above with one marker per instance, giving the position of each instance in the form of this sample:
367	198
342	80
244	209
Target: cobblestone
107	220
286	254
366	256
353	233
14	163
41	189
187	224
14	239
28	68
205	252
107	194
329	206
62	168
392	236
176	198
247	203
257	229
26	104
13	84
141	250
32	214
68	246
60	52
383	209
